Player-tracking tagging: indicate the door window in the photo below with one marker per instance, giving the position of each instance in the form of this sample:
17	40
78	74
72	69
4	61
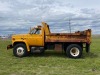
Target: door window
36	31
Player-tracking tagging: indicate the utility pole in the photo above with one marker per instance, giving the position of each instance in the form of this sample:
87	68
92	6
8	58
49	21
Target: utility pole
70	25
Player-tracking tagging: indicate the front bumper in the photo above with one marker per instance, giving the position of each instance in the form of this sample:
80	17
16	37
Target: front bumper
9	46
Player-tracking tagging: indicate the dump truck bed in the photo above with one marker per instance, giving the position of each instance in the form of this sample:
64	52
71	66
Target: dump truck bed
79	36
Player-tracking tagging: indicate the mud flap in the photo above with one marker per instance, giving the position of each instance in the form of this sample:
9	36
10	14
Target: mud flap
87	48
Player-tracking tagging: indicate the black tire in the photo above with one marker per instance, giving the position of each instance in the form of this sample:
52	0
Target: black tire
20	50
74	51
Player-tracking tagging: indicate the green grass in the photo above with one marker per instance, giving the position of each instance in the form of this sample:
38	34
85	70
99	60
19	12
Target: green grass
50	63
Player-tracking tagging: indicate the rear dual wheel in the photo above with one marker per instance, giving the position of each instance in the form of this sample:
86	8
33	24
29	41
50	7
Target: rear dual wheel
74	51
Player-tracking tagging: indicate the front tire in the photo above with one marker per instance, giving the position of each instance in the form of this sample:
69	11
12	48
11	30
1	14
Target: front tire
20	50
74	51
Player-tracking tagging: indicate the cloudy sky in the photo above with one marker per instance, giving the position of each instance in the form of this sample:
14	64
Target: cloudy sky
17	16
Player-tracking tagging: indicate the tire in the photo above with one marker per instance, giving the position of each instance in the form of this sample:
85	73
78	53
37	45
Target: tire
20	50
74	51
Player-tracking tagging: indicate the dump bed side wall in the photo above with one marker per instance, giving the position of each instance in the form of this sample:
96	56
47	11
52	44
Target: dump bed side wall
84	36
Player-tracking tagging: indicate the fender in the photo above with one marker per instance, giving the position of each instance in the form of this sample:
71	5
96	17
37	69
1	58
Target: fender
22	41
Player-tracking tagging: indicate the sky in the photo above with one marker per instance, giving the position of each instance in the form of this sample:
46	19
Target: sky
17	16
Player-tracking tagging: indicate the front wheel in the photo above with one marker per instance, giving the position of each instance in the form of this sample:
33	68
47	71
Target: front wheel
74	51
20	50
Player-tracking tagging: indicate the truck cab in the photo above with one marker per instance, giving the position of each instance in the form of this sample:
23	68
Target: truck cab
36	36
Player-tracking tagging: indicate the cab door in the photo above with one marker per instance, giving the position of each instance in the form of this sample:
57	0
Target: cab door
36	38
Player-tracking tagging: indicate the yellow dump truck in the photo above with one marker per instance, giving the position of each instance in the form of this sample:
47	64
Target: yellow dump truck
40	39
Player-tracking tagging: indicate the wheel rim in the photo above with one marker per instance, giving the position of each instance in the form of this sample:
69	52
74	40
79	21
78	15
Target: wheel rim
20	51
74	51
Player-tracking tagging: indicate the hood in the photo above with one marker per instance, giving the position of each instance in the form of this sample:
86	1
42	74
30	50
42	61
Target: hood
20	36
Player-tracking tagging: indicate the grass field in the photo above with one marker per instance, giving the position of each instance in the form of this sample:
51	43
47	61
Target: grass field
50	63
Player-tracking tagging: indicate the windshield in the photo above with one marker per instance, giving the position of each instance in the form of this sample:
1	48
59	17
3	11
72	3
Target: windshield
35	31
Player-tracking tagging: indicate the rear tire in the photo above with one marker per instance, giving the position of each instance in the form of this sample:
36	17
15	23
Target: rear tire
20	50
74	51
